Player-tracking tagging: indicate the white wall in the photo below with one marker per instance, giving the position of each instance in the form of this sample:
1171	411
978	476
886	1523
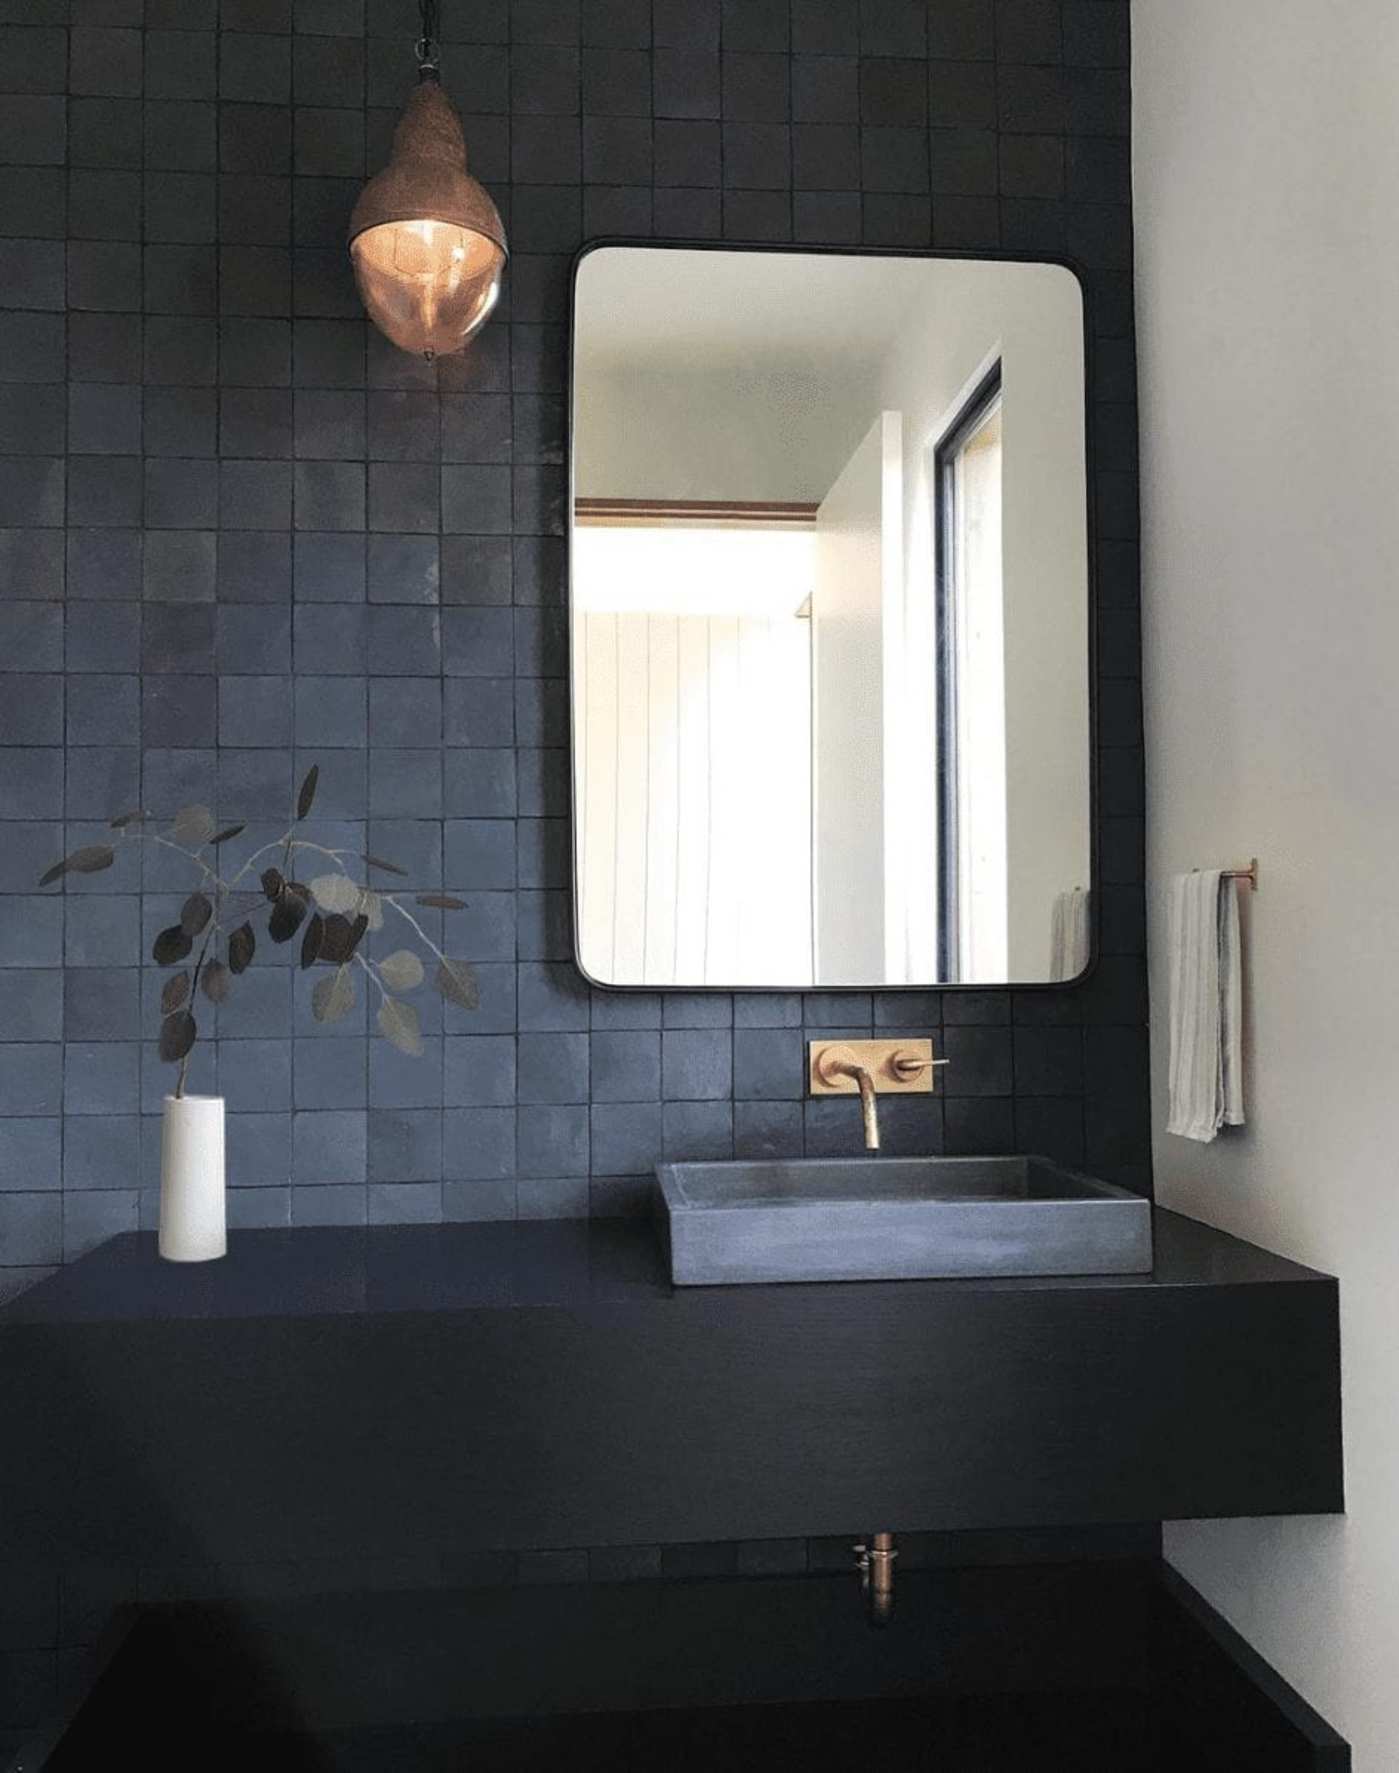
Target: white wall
1266	151
855	645
1030	317
773	430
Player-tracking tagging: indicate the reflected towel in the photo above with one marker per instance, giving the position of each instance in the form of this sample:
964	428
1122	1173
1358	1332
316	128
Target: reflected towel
1070	924
1206	1006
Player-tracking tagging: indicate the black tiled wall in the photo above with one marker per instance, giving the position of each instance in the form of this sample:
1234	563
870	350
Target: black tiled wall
240	533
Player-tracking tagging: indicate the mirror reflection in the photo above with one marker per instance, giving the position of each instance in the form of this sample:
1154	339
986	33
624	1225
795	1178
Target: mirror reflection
829	621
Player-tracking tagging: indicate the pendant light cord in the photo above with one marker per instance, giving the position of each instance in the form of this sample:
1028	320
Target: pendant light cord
428	47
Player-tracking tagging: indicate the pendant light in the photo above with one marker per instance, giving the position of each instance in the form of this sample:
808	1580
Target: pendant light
427	243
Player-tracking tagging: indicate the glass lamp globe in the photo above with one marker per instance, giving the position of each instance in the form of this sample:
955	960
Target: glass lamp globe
427	243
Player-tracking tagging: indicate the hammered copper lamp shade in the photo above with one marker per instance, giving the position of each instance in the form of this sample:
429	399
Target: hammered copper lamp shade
427	243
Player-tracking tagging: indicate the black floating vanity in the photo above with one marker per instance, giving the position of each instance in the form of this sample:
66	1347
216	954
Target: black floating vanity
374	1392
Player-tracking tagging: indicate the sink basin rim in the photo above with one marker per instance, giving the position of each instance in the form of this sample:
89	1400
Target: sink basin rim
670	1176
1091	1228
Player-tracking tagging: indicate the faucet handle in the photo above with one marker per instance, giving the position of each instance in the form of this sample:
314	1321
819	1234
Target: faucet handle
907	1066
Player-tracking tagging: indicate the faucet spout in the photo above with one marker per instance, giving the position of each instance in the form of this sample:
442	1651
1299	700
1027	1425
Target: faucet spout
869	1107
869	1102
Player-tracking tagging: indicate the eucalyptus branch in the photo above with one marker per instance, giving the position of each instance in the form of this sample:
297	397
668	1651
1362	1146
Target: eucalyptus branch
180	850
336	856
403	911
347	901
373	974
213	930
257	856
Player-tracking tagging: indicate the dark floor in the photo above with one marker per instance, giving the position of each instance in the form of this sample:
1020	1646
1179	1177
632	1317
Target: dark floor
1097	1733
1071	1669
1061	1733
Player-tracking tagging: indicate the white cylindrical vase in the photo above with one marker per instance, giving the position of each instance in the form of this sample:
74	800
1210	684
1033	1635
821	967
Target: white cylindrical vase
193	1225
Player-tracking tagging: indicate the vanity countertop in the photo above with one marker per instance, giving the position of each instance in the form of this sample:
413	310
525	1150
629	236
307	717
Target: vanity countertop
578	1264
321	1393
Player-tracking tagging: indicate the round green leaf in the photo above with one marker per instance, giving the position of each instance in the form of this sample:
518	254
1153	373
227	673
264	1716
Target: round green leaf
334	996
170	946
175	994
195	913
399	1024
457	983
336	892
216	981
242	945
313	941
193	826
401	970
91	859
177	1034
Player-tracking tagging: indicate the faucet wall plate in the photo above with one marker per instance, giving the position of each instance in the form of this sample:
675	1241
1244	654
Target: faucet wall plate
878	1057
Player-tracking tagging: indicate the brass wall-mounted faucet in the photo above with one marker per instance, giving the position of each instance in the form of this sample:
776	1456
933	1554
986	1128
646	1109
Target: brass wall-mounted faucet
872	1068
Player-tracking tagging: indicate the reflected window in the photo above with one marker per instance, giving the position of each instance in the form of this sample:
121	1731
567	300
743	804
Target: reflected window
692	719
971	688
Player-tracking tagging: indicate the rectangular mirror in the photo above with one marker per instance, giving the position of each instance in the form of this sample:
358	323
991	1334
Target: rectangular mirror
829	620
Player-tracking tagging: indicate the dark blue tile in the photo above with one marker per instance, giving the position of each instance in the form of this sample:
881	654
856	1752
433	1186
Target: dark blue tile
329	1146
768	1129
403	642
331	1073
405	783
404	568
769	1064
334	1204
255	712
31	1228
32	1002
979	1061
102	1003
405	1203
479	1071
330	711
626	1066
478	1145
100	1077
31	1155
696	1065
626	1138
259	1153
479	853
405	1145
552	1141
552	999
101	1152
697	1131
480	783
553	1068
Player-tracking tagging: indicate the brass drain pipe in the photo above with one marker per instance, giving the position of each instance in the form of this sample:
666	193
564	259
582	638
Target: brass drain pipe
875	1563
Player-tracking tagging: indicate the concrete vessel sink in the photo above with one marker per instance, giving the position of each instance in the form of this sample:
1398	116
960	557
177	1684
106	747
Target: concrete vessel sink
900	1218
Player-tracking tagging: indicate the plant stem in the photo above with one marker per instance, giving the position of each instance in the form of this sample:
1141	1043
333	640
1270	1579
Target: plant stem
180	850
383	993
403	911
193	989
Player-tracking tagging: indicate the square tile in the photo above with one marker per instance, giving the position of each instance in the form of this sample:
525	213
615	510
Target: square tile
478	1144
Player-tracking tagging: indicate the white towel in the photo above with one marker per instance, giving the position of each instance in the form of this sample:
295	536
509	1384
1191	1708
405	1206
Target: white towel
1206	1006
1069	927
